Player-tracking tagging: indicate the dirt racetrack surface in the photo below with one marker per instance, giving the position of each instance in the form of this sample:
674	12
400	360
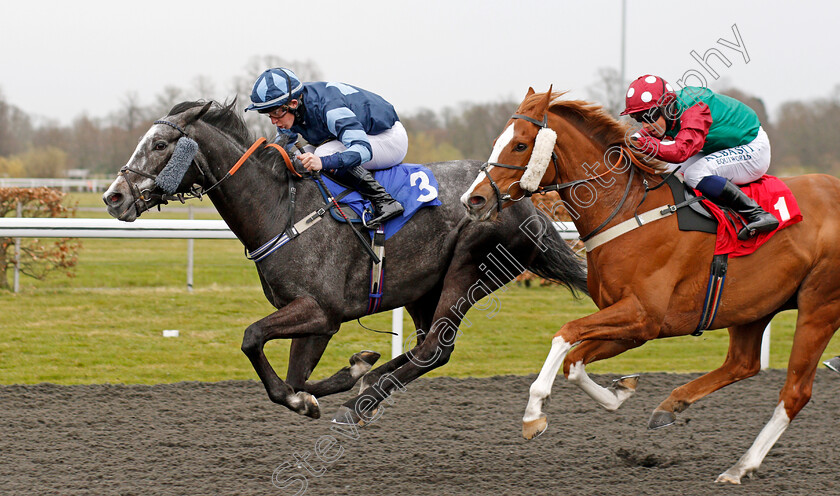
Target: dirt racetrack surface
440	437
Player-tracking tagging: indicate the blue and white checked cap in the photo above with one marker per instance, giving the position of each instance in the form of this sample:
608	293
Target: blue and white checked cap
272	89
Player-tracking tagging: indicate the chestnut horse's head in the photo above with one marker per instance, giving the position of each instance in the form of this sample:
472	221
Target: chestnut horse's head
521	156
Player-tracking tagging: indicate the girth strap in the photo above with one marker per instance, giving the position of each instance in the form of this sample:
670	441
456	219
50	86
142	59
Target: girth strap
377	272
714	290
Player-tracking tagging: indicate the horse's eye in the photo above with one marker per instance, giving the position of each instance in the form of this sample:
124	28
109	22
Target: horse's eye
521	147
160	145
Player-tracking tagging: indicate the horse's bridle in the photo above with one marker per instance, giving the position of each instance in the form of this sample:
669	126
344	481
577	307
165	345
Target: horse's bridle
143	197
501	198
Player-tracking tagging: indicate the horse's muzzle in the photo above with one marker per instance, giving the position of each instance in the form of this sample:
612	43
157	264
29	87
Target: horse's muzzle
478	208
119	201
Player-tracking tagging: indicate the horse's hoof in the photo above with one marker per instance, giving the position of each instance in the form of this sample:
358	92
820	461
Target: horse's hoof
533	428
370	419
661	418
346	416
833	364
628	382
311	408
365	356
728	477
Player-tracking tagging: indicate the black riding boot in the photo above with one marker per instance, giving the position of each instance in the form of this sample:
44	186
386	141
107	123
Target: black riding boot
384	206
758	220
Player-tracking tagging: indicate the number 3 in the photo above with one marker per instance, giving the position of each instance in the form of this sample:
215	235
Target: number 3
424	186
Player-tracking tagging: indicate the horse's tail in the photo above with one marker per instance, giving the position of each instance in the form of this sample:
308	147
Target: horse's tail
554	259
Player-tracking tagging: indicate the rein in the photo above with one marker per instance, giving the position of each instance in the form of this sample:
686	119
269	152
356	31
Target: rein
291	231
147	195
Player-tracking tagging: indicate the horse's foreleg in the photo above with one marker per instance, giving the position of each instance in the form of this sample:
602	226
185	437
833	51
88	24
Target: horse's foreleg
300	318
574	367
743	360
304	355
815	325
623	320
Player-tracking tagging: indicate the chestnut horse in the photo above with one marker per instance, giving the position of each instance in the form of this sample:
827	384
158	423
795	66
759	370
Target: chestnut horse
649	282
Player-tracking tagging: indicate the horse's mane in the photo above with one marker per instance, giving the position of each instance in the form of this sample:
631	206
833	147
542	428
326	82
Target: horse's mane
224	117
592	120
220	115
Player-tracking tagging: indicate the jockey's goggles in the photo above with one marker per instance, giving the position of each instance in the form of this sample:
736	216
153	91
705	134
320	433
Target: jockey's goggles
277	112
650	115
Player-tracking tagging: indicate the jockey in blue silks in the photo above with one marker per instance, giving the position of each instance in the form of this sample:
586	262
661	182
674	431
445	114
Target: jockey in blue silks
349	130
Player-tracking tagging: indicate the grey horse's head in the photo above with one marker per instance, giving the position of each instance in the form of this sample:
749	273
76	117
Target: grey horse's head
159	167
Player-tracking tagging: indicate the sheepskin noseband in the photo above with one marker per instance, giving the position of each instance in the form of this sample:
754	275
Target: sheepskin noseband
540	157
171	176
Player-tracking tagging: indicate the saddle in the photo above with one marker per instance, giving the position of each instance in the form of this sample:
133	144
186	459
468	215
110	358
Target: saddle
413	185
695	218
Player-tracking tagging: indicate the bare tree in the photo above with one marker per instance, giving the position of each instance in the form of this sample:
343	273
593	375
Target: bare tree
608	90
15	129
132	114
805	137
203	89
473	130
166	99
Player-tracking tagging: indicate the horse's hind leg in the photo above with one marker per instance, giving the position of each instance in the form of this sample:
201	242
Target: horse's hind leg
833	364
743	360
422	312
300	318
818	319
574	367
304	355
464	285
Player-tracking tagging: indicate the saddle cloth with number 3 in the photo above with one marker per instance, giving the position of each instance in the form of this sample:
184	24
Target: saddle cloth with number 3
774	196
413	185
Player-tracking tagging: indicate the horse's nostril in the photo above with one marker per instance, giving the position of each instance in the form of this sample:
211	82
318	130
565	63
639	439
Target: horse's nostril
115	198
476	201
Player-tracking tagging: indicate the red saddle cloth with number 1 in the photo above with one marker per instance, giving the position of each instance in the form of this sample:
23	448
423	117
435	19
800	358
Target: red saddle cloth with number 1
774	196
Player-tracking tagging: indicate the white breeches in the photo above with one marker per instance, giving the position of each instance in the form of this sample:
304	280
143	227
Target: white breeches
741	164
389	148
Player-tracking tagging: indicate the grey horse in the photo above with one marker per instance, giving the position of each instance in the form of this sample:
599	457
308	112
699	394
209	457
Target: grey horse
439	263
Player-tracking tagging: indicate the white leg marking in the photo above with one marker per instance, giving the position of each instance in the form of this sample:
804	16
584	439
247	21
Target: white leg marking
755	455
541	388
607	398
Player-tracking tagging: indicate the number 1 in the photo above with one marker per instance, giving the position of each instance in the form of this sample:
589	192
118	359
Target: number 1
781	206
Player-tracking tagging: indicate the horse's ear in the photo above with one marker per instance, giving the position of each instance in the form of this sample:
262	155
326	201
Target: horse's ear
530	92
194	116
543	107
